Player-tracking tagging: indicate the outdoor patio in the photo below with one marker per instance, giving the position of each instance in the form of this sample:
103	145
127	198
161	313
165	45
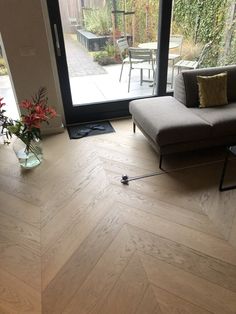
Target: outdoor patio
91	82
6	92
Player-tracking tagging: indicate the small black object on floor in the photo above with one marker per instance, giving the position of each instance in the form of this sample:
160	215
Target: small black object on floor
89	129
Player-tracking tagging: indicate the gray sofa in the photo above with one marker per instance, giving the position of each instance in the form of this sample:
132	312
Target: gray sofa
175	124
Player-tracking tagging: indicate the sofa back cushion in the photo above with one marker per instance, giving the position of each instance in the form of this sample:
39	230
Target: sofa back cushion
212	90
186	87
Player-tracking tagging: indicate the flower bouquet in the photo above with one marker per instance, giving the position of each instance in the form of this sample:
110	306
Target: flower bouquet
28	128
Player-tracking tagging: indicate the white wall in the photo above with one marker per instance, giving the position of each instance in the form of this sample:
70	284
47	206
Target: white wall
24	36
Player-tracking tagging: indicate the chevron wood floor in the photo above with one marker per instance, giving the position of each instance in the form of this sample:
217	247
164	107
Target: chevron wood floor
73	239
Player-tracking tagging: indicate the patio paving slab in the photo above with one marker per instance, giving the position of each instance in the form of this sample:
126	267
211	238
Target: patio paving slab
92	83
106	87
80	62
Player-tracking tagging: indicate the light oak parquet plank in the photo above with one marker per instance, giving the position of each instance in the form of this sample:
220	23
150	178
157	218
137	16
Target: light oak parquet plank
187	259
17	297
57	149
19	209
189	287
12	170
21	233
189	202
187	193
171	304
188	176
201	179
72	275
69	241
127	144
73	211
191	238
123	168
182	216
7	153
20	262
90	297
68	163
128	141
149	304
129	289
130	159
219	208
123	125
68	189
29	193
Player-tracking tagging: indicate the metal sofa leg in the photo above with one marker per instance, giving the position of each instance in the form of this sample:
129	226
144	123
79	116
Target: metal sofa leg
134	127
160	162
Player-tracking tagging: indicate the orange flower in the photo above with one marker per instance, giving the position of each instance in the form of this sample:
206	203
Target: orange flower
36	111
31	121
26	104
52	112
2	103
41	113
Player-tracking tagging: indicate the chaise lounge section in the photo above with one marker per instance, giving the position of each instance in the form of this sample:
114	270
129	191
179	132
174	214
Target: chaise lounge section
176	124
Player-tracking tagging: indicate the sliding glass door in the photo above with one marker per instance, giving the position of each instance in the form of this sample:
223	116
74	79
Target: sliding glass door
92	41
203	34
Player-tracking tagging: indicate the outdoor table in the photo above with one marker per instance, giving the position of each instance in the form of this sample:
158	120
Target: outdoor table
153	45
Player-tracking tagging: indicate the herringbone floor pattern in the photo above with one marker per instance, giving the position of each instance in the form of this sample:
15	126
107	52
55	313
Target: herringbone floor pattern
73	239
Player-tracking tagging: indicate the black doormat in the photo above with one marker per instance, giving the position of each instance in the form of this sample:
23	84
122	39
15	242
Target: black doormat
89	129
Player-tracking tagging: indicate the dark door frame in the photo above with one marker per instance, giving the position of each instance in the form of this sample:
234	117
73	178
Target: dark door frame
116	108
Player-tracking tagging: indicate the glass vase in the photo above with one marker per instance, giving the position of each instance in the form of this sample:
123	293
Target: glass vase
31	156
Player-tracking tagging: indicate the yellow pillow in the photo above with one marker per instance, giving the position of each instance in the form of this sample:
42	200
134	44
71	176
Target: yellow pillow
212	90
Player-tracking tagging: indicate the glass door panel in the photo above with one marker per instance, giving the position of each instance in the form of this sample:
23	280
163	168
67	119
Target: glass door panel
208	31
90	31
6	86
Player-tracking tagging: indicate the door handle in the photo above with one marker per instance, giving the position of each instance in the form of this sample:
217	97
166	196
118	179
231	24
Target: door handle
58	47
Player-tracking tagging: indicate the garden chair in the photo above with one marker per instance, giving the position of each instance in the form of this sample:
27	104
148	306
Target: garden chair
177	40
140	59
123	47
189	65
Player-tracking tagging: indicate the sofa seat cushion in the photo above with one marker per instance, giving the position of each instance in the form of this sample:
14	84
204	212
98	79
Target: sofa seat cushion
167	121
221	118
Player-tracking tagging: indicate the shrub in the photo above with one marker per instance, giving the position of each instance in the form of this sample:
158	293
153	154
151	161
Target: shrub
103	58
107	56
98	21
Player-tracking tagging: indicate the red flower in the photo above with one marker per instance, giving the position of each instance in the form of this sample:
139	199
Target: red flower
2	103
36	111
40	112
26	104
52	112
31	121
